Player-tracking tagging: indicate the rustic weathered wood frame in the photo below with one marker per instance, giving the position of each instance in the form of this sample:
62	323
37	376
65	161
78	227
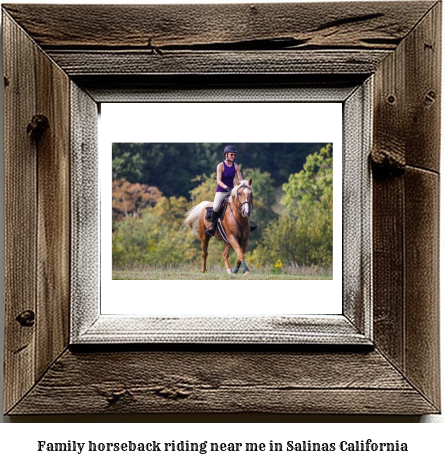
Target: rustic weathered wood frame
90	323
83	55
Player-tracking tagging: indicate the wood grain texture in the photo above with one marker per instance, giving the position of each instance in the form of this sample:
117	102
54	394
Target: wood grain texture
218	87
160	27
38	217
208	39
357	209
53	227
109	329
79	63
388	268
85	211
220	382
422	364
423	92
399	42
406	240
20	213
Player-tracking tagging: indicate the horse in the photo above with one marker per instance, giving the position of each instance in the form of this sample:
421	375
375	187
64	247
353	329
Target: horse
236	225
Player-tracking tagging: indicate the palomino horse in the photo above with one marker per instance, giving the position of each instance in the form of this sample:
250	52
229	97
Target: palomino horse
236	225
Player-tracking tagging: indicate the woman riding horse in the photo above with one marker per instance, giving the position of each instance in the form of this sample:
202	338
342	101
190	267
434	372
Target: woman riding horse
225	174
235	227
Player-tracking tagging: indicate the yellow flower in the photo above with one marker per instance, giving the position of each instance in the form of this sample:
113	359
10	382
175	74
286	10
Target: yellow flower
279	264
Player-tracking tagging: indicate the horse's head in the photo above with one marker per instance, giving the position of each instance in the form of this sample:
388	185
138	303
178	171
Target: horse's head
242	195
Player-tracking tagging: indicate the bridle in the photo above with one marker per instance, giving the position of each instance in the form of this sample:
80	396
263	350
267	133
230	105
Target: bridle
243	203
240	211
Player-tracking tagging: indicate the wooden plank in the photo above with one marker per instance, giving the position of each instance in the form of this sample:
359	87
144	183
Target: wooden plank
388	154
85	212
108	329
422	281
218	87
357	209
423	89
406	207
53	236
78	62
20	213
343	25
223	382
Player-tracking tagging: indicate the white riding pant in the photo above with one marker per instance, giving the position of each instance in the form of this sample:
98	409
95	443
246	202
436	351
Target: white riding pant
219	197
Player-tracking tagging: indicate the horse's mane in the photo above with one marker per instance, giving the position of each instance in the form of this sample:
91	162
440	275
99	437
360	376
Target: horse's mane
234	192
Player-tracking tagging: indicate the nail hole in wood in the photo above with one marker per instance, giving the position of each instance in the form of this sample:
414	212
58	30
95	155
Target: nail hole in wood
37	126
26	318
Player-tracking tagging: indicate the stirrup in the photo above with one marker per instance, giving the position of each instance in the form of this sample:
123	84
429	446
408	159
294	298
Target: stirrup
253	226
211	229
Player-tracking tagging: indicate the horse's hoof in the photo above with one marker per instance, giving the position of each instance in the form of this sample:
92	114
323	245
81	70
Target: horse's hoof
246	273
229	270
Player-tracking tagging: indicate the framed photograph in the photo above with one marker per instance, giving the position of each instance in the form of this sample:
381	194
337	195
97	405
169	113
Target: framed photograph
148	239
113	92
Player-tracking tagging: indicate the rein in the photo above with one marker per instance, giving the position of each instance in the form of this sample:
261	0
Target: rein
239	211
233	214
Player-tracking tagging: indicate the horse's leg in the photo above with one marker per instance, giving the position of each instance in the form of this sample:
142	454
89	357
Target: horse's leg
204	246
240	253
226	257
244	247
205	238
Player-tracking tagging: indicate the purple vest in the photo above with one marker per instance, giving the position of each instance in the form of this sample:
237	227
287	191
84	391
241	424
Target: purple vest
227	177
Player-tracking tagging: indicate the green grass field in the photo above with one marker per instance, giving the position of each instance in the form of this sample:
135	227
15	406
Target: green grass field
219	273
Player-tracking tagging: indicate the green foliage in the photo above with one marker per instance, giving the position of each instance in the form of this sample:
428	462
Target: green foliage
304	233
127	162
264	195
172	167
156	237
205	190
263	201
312	185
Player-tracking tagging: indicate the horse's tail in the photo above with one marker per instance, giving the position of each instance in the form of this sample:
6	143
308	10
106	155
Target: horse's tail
193	216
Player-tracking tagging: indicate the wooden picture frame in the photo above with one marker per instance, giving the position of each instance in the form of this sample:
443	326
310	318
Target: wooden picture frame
56	72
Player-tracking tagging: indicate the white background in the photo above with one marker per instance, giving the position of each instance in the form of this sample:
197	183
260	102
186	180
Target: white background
223	123
18	442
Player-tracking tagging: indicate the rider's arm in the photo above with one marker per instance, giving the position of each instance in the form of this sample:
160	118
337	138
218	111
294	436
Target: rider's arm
219	172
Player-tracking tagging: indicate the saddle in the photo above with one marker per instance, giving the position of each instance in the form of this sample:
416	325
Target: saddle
222	210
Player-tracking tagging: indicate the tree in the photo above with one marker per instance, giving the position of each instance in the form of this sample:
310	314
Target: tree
172	167
304	234
130	199
156	237
205	190
312	186
128	162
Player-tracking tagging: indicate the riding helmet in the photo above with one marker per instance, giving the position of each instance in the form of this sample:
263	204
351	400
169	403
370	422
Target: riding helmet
230	149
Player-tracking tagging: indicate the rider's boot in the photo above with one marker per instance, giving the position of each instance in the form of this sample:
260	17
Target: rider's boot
253	226
212	228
